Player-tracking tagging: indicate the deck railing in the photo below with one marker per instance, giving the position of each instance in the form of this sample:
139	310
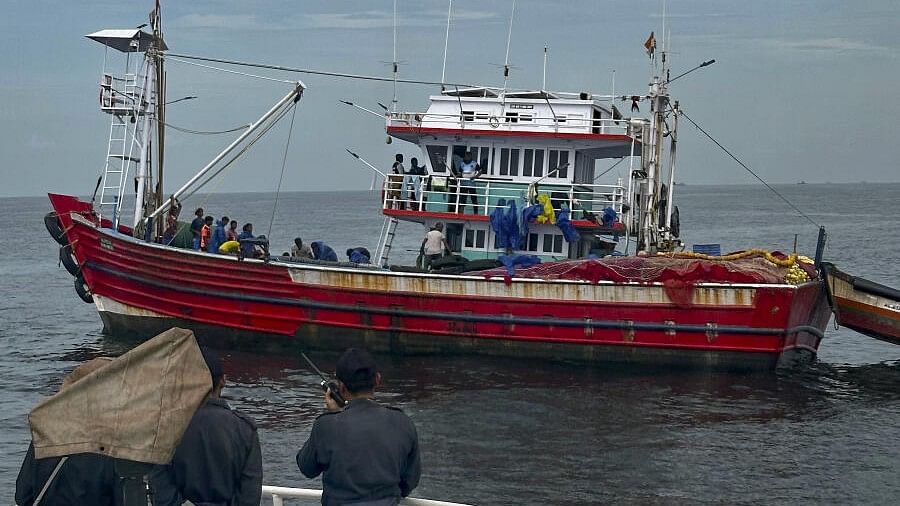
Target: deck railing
279	494
482	121
447	194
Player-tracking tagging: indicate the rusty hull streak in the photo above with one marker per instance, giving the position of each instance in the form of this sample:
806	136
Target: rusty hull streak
462	286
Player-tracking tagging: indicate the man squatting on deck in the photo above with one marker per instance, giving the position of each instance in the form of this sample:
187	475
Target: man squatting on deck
369	453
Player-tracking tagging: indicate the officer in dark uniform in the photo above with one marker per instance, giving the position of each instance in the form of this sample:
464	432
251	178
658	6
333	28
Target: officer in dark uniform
218	461
369	453
84	478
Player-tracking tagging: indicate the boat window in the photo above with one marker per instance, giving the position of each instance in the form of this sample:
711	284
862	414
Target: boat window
532	242
482	155
557	158
533	162
481	116
470	238
508	163
479	239
468	115
525	117
553	243
475	238
459	151
437	155
512	117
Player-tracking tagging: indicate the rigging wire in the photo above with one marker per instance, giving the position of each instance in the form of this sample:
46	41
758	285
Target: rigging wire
283	164
206	132
609	169
304	71
245	74
748	169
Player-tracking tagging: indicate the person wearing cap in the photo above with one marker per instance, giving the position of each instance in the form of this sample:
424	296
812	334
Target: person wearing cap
84	478
367	453
300	251
218	460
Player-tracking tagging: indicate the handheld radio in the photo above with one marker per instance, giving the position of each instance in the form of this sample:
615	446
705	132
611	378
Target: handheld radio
327	384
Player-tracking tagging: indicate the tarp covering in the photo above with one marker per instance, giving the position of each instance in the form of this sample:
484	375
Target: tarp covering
755	269
566	227
136	407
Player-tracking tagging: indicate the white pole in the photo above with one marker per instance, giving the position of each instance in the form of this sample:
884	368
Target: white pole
544	78
394	100
149	98
287	98
446	40
506	60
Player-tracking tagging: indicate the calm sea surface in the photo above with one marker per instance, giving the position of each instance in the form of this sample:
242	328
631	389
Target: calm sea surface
499	431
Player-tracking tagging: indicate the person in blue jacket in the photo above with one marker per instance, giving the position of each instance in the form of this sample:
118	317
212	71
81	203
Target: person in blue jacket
322	251
218	236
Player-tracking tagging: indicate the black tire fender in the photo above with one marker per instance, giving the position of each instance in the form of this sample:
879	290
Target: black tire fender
81	288
68	261
51	221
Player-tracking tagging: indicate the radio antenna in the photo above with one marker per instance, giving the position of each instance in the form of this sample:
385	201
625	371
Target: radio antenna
446	39
394	100
508	38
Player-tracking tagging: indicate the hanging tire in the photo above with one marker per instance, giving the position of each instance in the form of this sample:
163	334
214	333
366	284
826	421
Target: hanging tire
51	221
676	222
82	290
68	261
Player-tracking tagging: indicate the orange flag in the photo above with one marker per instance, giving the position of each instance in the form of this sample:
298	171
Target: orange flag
650	45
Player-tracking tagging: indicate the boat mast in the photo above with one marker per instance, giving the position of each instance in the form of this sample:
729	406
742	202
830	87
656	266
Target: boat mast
158	194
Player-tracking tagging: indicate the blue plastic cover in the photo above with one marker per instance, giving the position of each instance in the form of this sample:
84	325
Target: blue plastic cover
497	218
511	261
511	226
566	227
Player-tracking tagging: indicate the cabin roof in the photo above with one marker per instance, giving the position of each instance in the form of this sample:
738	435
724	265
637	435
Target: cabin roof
121	39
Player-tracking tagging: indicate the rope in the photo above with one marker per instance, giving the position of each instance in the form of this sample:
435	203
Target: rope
283	164
742	164
309	71
609	169
170	57
206	132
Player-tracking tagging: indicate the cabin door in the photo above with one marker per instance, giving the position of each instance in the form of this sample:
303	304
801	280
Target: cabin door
454	236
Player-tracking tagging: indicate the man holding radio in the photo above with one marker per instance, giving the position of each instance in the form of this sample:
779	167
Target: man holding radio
367	453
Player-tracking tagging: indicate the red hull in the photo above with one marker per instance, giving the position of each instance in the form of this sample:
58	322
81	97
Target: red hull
142	286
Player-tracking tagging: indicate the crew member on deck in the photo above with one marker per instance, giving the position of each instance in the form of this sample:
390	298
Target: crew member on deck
470	170
196	227
369	453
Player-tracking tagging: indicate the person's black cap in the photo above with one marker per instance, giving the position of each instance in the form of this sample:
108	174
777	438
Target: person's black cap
356	369
213	363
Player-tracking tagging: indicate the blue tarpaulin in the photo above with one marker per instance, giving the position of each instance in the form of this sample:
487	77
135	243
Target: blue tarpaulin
511	225
565	225
608	217
511	261
497	218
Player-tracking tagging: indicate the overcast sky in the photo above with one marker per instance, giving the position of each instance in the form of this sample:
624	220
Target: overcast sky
801	89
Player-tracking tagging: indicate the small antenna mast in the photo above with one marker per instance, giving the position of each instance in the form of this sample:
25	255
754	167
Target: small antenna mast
508	39
394	100
446	39
544	78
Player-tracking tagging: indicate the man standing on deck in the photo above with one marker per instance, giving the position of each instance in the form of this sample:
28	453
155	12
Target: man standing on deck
218	460
433	245
196	227
369	453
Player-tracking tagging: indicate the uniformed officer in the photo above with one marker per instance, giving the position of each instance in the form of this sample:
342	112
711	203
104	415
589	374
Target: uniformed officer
218	461
369	453
84	478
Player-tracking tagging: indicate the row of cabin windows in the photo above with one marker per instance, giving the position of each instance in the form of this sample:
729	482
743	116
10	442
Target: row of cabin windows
553	243
514	117
529	162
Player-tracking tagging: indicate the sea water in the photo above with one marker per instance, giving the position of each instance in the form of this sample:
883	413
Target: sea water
510	431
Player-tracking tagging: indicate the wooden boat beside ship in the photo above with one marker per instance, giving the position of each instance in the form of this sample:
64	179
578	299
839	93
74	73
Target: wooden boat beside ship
537	149
867	307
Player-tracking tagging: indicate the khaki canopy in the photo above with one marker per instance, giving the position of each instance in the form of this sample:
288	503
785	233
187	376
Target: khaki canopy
136	407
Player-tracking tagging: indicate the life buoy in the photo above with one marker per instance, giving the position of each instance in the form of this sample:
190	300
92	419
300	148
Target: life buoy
494	121
51	221
676	222
68	261
82	290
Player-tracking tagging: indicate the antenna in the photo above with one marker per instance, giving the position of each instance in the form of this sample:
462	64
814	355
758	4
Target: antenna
544	78
508	38
394	100
446	39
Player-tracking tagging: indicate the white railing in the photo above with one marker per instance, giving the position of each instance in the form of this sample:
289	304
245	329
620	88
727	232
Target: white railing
561	123
278	494
447	194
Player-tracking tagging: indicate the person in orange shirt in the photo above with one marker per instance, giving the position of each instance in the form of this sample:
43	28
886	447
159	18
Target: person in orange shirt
206	232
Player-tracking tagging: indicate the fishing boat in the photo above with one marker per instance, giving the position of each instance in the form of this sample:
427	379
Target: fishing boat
867	307
546	262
